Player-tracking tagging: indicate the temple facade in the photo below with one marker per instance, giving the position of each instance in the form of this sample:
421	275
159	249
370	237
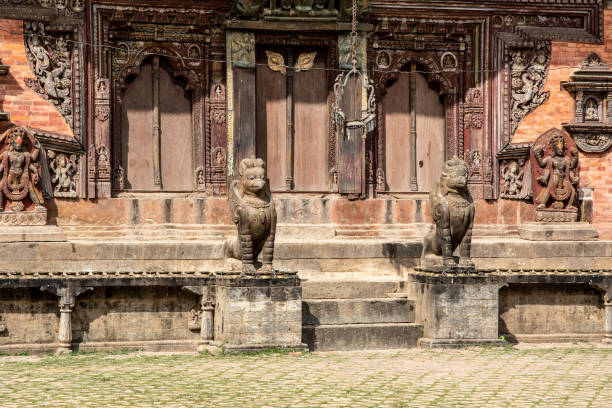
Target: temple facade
136	115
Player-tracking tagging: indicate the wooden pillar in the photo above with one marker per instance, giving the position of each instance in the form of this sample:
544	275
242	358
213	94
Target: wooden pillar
99	167
413	126
156	125
242	106
289	182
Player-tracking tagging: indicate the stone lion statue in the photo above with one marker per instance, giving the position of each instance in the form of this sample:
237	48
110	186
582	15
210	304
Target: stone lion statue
252	210
452	209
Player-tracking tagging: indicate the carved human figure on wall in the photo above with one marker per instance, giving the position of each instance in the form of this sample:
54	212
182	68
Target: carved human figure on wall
252	210
556	176
512	175
19	169
452	209
63	168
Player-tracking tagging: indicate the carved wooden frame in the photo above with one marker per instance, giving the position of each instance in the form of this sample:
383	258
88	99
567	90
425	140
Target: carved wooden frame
329	41
197	76
449	84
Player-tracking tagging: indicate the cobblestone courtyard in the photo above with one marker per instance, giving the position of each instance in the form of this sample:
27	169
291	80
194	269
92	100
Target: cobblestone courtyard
524	376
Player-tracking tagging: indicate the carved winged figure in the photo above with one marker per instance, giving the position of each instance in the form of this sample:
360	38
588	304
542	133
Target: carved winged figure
252	210
19	168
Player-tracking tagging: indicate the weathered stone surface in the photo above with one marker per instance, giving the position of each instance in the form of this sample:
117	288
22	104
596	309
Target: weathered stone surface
257	313
550	312
362	336
576	231
453	312
32	233
358	311
349	289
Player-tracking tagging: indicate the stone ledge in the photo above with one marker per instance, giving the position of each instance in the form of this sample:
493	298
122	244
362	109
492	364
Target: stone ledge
458	343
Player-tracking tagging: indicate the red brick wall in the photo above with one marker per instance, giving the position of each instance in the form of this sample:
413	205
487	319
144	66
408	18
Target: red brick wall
595	169
25	106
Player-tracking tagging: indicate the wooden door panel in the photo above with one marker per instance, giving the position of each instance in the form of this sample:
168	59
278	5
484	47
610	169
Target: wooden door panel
397	134
311	127
431	128
272	123
176	135
136	131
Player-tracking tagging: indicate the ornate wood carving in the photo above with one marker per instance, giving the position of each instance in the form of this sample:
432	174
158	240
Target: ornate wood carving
243	49
50	58
528	70
64	168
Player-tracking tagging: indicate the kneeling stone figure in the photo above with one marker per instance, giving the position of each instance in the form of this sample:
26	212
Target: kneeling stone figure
452	209
252	210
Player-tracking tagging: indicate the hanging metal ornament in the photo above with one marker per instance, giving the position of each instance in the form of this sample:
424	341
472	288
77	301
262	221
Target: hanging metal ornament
368	120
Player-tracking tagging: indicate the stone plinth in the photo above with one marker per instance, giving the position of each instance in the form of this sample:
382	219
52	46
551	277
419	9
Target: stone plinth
565	231
556	215
456	310
258	313
38	216
34	233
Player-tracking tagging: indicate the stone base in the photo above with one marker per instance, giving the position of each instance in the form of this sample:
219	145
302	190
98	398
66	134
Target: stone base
47	233
458	343
446	269
216	348
253	313
574	231
456	310
553	215
38	216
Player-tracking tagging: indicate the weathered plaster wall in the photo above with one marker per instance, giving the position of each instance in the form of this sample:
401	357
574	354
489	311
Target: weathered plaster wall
594	168
26	107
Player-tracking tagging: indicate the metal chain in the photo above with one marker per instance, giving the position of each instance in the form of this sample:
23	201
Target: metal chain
354	36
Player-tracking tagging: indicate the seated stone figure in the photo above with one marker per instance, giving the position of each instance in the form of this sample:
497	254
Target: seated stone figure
452	209
253	211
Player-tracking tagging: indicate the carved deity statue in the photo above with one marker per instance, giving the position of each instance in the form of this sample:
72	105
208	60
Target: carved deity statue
557	173
452	209
591	110
19	169
63	168
253	211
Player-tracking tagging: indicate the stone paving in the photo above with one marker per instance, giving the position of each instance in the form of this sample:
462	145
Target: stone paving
577	375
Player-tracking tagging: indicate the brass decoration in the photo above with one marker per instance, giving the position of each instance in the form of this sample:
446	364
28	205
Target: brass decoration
305	61
276	62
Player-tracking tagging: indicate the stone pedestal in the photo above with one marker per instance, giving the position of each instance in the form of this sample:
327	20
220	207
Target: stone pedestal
564	231
456	310
256	313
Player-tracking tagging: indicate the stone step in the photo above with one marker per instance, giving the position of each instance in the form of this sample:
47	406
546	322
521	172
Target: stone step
350	289
362	336
357	311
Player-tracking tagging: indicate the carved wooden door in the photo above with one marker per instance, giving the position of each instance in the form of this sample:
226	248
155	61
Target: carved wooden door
157	140
414	126
292	117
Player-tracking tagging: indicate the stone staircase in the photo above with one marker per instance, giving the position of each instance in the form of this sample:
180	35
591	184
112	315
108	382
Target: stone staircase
358	315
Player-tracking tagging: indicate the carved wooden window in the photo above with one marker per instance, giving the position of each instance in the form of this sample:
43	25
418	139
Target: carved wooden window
292	117
156	131
414	126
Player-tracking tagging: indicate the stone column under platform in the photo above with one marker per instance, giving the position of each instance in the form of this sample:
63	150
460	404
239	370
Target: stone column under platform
458	307
254	313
